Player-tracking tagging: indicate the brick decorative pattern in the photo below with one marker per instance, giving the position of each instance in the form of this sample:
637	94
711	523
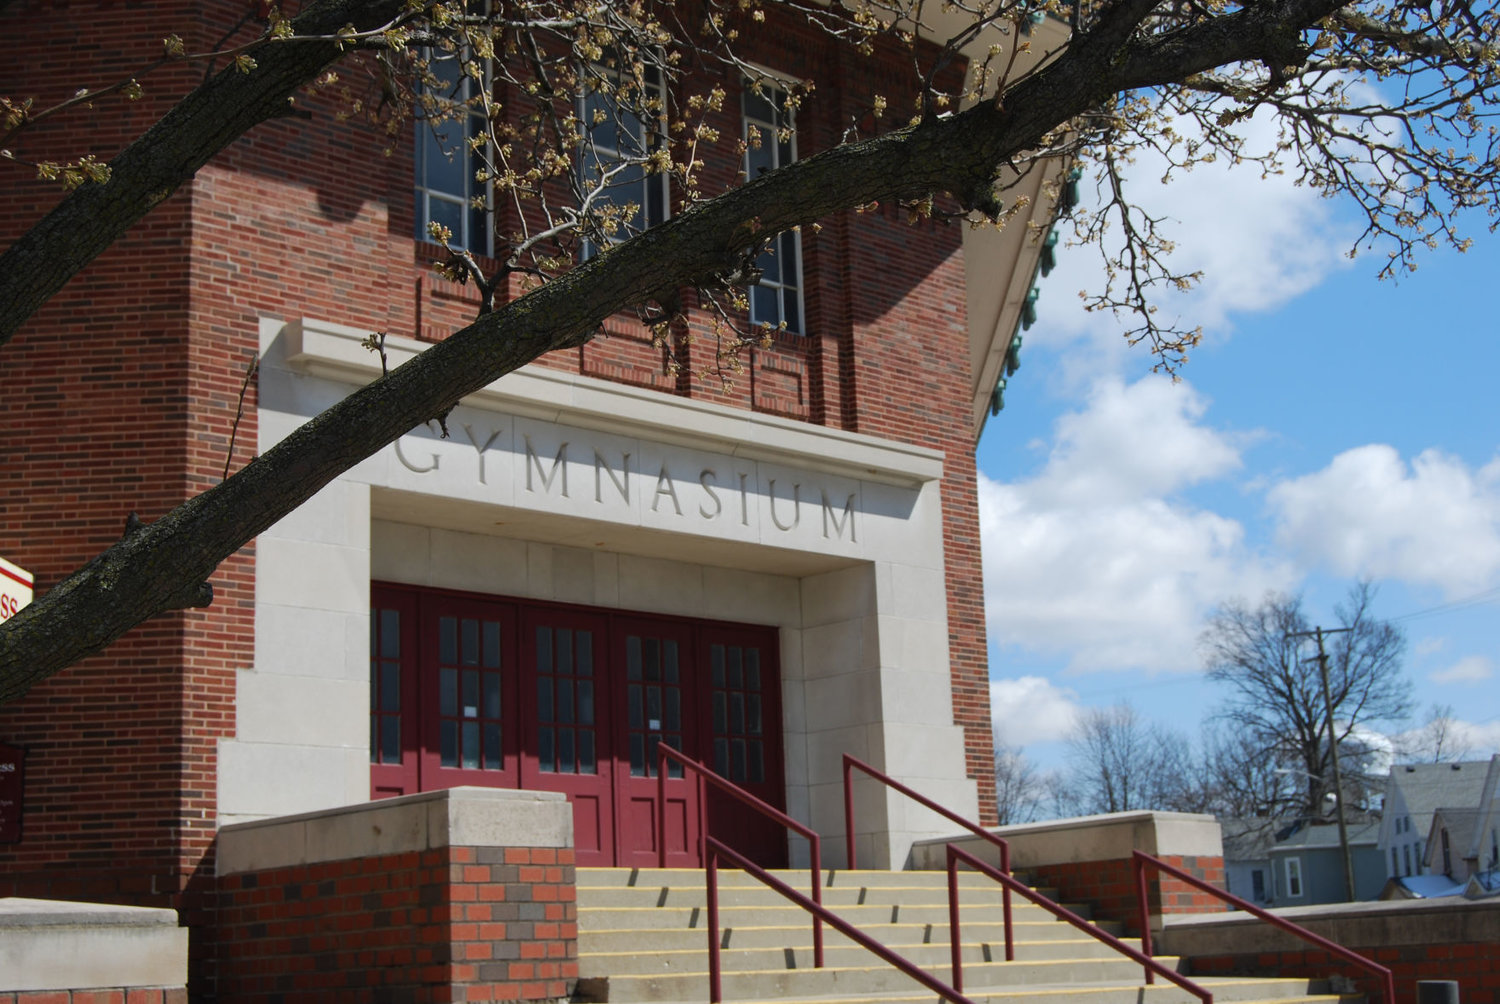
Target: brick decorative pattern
1109	887
1476	967
107	995
452	924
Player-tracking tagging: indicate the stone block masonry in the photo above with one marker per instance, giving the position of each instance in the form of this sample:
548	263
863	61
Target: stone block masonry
458	895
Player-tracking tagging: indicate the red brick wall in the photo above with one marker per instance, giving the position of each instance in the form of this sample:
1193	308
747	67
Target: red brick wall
1476	967
457	923
1109	887
115	401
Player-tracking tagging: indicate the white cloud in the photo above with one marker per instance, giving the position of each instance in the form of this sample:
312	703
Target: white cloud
1470	669
1258	240
1368	513
1094	559
1030	709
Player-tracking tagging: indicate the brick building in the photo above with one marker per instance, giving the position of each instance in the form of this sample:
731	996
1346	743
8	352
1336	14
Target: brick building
603	553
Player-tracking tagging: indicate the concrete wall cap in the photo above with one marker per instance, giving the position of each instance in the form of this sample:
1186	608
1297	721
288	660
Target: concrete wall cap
468	816
16	911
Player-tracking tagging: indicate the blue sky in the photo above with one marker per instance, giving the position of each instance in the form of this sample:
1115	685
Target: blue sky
1330	426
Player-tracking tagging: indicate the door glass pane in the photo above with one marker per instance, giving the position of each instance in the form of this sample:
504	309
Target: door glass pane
736	673
752	669
586	762
637	755
721	712
564	651
545	762
737	714
491	645
669	661
390	634
492	758
637	715
585	654
471	744
448	691
565	700
673	719
470	641
565	762
544	700
544	650
632	658
585	702
651	658
448	640
716	662
471	692
492	695
752	714
756	769
390	686
449	743
390	739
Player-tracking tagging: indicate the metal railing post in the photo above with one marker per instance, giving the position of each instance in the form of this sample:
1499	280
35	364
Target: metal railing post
1144	909
849	814
711	867
955	939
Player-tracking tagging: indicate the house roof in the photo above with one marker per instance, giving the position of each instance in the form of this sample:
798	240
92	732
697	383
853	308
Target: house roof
1326	835
1249	838
1461	823
1425	787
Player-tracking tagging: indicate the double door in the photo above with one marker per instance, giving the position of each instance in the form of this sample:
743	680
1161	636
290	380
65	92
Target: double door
472	690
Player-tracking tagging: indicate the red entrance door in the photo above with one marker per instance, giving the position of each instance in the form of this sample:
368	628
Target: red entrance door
567	737
476	690
654	704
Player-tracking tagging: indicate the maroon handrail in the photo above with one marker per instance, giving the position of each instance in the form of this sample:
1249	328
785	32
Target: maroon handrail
714	848
851	761
1143	861
704	773
1150	965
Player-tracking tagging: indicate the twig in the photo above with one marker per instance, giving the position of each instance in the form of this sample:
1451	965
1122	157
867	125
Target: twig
239	412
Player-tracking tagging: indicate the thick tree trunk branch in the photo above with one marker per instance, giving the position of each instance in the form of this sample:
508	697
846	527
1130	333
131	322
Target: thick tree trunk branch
151	570
146	172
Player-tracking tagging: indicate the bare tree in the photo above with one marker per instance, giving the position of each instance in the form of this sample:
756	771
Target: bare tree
1438	739
1276	698
1020	789
1117	762
1131	75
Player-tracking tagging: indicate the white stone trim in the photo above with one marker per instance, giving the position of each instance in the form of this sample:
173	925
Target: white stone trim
336	351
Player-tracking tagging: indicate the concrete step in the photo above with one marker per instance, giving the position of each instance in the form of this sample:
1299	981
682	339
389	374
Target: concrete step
837	952
799	935
795	877
1244	992
593	918
739	895
865	978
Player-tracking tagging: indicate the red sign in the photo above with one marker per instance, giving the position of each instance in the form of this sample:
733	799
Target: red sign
12	788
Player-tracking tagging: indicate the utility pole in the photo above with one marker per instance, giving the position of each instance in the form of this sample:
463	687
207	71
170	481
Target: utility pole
1333	743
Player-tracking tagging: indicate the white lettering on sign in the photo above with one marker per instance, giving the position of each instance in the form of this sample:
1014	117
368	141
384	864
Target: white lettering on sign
15	589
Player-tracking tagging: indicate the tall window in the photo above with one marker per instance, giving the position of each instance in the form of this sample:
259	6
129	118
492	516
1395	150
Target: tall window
620	117
771	143
451	131
1294	877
